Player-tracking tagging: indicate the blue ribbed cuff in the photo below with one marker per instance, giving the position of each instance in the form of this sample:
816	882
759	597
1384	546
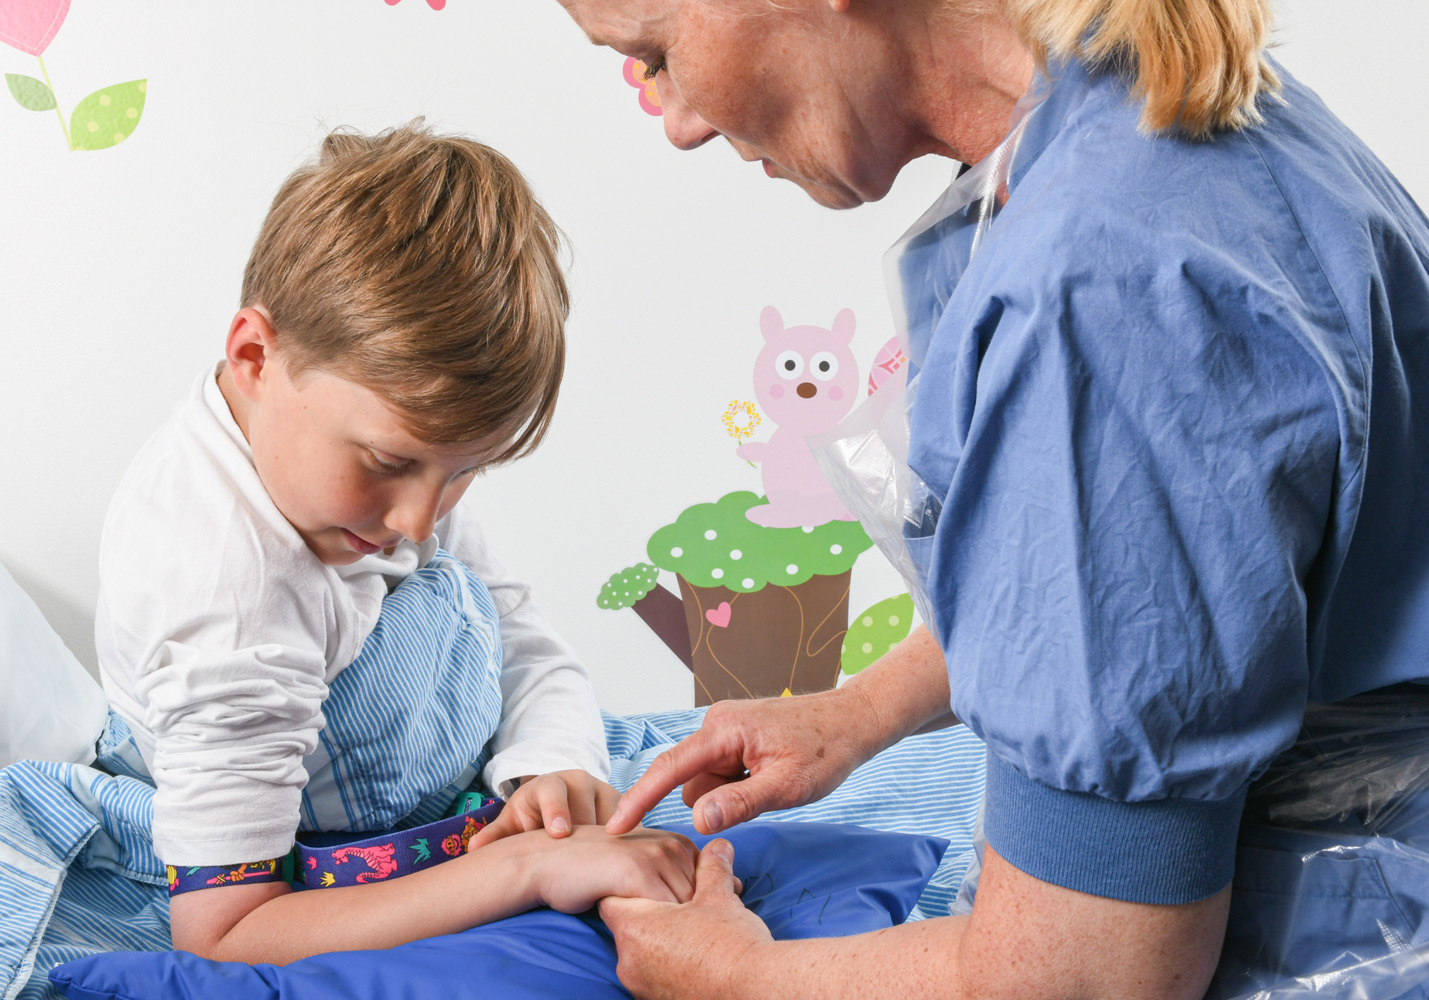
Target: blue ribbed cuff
1164	851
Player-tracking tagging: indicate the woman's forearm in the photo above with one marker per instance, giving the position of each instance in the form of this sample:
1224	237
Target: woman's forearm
1024	939
904	692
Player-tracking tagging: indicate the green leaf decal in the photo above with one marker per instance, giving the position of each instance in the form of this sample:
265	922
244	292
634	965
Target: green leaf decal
107	117
876	631
628	586
32	94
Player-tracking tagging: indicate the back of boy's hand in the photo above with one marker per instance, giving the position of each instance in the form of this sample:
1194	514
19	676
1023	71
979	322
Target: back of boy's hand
556	802
575	873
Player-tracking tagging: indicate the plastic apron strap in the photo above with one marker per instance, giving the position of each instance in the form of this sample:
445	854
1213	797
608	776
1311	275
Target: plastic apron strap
865	458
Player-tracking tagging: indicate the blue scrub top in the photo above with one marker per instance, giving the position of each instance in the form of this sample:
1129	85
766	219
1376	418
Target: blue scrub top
1177	411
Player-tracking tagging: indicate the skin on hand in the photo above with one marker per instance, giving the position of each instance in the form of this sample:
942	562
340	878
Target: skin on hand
574	873
752	756
556	802
664	948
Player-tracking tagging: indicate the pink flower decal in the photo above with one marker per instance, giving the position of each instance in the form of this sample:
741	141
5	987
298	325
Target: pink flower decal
890	358
434	4
30	25
635	76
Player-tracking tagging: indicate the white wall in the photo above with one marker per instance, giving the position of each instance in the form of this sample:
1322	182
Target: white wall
121	266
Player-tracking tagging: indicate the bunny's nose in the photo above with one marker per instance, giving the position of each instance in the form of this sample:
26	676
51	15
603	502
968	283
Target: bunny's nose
807	390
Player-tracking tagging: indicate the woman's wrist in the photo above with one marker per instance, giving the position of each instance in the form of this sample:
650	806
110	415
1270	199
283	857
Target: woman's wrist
900	694
863	720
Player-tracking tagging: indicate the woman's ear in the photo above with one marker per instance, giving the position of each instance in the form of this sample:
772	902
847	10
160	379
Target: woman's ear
249	349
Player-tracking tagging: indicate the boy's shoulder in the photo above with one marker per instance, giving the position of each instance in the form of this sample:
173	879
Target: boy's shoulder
190	510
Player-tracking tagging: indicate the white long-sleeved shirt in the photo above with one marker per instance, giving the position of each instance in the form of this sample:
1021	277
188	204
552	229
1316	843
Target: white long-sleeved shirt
218	633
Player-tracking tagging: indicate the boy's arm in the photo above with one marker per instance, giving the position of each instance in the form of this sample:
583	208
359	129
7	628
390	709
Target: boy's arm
272	923
549	717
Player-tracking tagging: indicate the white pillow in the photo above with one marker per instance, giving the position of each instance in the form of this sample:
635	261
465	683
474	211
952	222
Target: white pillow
50	708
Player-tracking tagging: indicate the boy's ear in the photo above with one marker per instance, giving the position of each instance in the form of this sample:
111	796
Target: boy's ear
249	349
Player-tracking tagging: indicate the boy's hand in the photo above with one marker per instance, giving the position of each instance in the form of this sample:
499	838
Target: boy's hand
557	802
576	872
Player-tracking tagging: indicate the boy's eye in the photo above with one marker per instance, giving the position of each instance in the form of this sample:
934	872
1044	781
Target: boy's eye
385	467
653	68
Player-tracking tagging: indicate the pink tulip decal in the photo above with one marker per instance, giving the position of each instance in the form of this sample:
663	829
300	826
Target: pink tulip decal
105	118
649	96
30	25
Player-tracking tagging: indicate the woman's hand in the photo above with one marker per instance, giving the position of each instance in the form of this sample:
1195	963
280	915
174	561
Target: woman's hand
688	949
556	802
574	873
752	756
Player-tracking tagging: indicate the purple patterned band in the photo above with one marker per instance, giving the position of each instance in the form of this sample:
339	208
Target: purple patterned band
370	859
249	873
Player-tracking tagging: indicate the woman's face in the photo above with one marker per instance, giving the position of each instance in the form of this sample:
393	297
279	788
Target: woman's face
798	86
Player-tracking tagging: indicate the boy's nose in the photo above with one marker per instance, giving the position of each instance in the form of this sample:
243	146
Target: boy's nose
414	515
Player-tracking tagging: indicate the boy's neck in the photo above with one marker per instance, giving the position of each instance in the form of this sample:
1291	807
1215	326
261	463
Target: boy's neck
237	402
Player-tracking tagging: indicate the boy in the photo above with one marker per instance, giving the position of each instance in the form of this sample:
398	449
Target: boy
296	621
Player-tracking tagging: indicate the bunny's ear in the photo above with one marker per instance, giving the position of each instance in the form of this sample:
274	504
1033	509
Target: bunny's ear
843	325
771	324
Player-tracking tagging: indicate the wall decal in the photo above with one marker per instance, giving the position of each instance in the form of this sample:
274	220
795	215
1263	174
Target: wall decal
876	631
635	71
761	611
806	381
763	581
889	359
434	4
104	118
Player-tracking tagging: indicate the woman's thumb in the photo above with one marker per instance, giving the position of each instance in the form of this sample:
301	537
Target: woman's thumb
714	872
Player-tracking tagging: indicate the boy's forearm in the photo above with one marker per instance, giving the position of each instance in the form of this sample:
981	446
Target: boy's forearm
476	888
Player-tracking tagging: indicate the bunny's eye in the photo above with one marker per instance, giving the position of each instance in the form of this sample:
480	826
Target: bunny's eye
824	366
789	364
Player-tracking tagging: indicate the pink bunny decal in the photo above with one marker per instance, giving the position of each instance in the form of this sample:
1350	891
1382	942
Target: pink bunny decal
806	381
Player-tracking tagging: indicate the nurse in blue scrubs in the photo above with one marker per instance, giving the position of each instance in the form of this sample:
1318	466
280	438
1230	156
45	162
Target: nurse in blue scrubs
1170	441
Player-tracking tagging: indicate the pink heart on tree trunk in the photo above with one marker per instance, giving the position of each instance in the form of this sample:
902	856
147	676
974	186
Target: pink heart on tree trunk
719	617
30	25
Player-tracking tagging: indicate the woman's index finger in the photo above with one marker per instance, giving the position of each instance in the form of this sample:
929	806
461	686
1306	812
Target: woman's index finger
667	772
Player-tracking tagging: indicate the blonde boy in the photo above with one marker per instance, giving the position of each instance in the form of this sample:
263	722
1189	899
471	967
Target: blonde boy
400	330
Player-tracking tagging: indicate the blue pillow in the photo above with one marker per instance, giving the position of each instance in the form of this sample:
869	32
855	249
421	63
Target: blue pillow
803	879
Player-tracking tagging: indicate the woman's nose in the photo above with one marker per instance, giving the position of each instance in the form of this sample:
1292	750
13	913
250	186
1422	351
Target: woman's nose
683	126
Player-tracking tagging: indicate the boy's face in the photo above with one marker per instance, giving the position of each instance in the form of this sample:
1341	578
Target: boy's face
340	465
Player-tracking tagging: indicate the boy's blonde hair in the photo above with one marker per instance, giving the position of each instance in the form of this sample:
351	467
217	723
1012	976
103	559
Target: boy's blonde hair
421	267
1199	66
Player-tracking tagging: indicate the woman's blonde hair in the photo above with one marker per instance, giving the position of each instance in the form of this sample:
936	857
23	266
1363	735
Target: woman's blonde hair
1199	66
421	267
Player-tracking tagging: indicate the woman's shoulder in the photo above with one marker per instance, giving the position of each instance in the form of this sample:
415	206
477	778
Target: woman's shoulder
1252	199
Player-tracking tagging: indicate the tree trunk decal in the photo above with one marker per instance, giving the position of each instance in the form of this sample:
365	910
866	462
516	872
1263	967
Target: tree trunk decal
767	643
762	611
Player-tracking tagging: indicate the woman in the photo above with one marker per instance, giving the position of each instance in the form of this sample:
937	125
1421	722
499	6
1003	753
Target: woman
1172	407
